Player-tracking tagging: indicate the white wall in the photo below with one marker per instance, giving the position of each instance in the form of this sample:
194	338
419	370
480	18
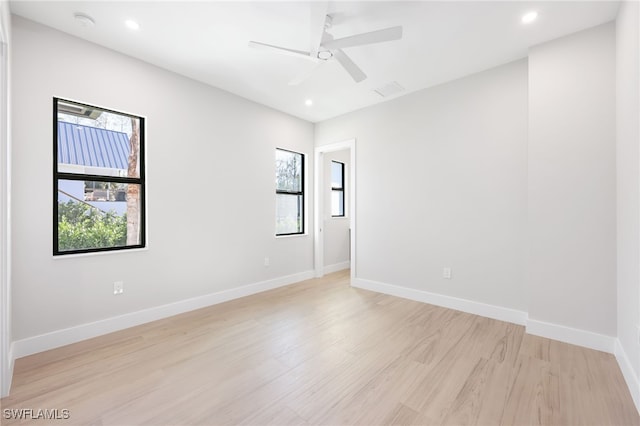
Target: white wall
6	361
570	268
336	229
210	153
442	182
445	179
628	182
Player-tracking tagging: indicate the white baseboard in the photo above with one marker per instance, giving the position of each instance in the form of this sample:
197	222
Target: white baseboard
575	336
464	305
7	375
539	328
12	363
55	339
78	333
336	267
633	382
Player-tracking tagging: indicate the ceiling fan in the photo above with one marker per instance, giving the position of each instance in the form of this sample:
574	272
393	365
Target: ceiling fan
324	47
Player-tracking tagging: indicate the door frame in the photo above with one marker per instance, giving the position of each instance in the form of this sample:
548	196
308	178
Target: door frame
6	356
318	202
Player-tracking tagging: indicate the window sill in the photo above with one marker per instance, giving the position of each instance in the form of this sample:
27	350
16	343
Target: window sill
98	253
292	235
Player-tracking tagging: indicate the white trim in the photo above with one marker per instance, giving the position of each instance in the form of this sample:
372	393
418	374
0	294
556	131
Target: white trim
561	333
97	253
11	362
55	339
565	334
6	372
306	234
6	357
318	202
318	240
478	308
574	336
328	269
633	382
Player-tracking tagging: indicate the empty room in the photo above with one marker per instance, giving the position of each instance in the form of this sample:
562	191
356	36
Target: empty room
319	213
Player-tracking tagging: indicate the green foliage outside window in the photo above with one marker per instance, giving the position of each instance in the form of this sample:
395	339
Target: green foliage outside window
81	226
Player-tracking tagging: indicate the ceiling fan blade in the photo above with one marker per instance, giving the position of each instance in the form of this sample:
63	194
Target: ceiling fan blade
280	50
318	14
356	73
305	75
388	34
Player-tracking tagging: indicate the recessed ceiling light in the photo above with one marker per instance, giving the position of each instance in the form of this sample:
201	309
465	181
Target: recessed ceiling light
308	102
132	25
529	17
84	19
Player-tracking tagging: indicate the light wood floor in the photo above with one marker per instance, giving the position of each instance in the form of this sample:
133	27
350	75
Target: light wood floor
321	352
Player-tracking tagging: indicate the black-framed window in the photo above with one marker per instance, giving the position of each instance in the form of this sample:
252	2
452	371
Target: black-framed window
337	189
98	179
289	192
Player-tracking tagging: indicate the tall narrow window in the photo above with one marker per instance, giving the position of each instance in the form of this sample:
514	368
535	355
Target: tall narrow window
337	189
289	192
98	179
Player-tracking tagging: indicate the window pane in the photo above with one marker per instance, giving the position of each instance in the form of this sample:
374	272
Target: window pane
94	215
288	214
288	171
337	178
337	203
97	142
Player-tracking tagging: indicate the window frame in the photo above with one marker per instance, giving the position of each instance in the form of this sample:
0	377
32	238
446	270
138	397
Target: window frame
58	176
340	189
300	193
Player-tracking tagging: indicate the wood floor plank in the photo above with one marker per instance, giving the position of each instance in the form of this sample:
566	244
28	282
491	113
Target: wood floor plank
401	416
320	352
280	390
534	397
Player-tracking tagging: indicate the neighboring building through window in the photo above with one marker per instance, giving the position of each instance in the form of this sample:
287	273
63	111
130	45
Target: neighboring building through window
98	179
289	192
337	189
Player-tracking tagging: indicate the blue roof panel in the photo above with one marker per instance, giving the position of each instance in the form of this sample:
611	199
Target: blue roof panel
91	146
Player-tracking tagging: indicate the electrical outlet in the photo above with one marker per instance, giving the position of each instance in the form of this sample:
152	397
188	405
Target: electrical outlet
266	262
118	287
446	273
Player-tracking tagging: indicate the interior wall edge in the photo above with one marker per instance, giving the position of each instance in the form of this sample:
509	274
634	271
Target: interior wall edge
6	316
633	382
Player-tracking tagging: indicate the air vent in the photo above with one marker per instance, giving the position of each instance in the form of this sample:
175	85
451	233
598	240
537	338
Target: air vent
389	89
79	110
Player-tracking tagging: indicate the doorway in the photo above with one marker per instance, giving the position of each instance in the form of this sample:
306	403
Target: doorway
335	224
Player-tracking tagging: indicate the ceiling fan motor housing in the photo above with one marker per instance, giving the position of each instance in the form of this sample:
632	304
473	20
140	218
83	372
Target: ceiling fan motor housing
325	55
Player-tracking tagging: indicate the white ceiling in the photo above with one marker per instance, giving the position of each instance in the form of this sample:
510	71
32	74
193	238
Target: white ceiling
207	41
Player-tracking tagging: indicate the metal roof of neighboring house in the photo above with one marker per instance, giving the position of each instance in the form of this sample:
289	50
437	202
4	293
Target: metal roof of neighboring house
91	146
